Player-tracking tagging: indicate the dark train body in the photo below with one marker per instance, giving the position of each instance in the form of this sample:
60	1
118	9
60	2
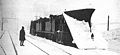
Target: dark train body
54	28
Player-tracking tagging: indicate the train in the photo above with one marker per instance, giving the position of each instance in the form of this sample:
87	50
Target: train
55	27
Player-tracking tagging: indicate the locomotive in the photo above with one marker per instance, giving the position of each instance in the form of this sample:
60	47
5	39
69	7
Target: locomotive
55	27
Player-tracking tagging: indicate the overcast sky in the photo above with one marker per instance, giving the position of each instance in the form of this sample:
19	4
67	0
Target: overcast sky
45	7
26	10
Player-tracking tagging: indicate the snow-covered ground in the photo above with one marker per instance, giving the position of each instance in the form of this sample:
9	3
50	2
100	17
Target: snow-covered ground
7	45
1	34
113	38
1	51
41	46
73	50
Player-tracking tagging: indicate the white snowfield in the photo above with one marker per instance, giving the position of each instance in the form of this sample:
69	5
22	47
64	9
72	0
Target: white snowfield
113	38
35	45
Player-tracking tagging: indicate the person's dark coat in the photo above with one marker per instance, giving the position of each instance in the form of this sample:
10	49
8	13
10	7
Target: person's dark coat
22	35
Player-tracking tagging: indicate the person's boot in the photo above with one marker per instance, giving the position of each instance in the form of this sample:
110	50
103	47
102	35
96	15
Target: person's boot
20	44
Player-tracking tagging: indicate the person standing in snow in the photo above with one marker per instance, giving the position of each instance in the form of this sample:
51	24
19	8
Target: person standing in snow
22	36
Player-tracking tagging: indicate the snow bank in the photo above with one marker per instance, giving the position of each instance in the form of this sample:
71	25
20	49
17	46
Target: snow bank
113	39
112	34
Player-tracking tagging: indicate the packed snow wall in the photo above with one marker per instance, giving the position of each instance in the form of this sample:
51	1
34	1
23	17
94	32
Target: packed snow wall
77	21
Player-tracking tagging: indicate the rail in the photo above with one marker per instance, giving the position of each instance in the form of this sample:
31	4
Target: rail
0	45
30	43
13	44
3	50
38	47
2	35
52	45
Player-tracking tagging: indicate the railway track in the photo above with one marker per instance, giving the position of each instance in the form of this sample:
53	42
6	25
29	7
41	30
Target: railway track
36	46
49	44
2	35
0	45
29	42
13	43
62	50
3	50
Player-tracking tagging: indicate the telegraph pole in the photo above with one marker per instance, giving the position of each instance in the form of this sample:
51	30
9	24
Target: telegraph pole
2	25
108	24
4	21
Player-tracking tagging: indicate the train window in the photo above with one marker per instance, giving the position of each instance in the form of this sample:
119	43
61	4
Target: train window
43	26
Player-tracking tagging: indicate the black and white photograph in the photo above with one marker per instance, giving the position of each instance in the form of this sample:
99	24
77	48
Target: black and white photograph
59	27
